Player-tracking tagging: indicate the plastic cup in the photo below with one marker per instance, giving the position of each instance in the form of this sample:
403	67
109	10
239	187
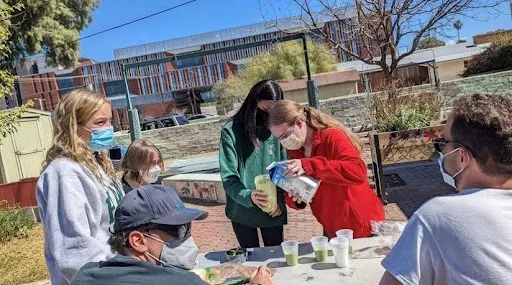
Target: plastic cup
339	247
320	246
291	252
349	234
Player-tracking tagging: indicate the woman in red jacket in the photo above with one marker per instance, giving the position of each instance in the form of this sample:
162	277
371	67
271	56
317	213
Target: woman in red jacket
321	147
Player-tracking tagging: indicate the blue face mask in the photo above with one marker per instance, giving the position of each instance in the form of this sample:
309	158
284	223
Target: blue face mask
448	179
101	139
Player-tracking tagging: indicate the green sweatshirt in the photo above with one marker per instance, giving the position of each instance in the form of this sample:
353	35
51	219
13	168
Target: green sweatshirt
240	163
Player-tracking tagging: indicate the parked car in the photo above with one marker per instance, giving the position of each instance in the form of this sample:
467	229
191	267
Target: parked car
164	122
201	117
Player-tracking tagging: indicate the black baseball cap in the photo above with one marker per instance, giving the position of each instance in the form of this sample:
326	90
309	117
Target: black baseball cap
155	204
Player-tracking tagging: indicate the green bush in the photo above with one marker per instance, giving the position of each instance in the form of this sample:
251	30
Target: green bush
495	58
398	107
410	117
14	223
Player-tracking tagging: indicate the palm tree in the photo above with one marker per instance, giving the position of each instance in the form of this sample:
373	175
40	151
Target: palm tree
458	26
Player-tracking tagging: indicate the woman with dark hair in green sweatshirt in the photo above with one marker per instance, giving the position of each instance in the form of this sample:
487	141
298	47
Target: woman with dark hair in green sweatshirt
247	147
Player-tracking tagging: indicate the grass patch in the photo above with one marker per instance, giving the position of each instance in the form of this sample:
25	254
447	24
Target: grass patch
23	259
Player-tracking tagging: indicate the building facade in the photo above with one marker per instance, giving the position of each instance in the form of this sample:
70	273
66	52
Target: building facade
179	85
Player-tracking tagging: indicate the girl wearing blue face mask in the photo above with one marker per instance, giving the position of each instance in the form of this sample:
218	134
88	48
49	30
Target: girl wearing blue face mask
78	192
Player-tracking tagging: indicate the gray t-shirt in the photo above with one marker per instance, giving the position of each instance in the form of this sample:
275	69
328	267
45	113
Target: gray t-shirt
464	238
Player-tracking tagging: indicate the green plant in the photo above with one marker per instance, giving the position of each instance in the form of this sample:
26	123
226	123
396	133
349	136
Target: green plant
495	58
430	42
399	108
410	117
14	222
285	62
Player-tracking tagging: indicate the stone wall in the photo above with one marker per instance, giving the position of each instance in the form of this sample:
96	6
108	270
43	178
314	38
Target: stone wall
182	141
351	110
495	83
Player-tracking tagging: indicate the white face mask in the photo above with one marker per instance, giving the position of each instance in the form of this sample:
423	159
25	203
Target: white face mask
448	179
176	253
151	176
292	142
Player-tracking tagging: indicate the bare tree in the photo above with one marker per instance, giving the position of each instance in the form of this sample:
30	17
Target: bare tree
387	30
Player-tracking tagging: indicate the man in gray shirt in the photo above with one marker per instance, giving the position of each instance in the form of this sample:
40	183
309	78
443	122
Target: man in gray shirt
464	238
152	236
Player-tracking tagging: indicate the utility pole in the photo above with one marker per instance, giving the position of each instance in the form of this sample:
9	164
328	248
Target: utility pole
135	132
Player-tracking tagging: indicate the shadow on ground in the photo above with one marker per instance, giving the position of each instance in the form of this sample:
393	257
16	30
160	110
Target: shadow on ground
423	181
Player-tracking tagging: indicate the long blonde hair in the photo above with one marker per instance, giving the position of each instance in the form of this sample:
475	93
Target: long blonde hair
139	153
290	112
74	109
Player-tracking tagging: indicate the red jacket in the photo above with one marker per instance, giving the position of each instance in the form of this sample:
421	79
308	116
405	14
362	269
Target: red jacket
344	199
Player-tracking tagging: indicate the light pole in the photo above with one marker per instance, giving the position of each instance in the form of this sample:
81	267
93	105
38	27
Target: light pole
312	86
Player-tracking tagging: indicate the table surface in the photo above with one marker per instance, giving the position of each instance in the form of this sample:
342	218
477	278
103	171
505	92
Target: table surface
364	267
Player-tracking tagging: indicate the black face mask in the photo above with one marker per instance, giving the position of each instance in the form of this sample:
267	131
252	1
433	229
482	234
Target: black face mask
261	118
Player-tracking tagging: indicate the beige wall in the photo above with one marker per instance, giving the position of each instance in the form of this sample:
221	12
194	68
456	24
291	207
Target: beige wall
449	70
32	139
324	92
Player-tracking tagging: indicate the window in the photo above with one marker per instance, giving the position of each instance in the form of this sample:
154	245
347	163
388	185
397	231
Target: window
168	123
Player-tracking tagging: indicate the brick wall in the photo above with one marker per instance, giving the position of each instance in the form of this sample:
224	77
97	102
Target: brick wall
491	37
42	89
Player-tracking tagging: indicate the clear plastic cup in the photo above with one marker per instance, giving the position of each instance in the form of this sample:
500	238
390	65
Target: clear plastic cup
320	246
291	252
349	234
339	247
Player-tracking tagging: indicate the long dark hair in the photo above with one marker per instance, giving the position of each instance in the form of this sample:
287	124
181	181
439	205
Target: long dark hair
253	119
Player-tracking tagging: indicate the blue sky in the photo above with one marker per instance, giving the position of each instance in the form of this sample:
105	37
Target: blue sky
205	16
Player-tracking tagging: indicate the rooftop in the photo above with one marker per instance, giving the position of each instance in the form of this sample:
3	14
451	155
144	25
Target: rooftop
440	54
321	79
179	45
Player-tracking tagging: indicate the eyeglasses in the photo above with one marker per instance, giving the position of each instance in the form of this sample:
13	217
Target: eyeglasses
440	143
179	232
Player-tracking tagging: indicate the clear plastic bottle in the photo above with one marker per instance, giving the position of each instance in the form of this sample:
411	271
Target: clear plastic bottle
264	183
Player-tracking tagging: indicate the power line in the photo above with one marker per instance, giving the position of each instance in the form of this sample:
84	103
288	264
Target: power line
113	28
137	20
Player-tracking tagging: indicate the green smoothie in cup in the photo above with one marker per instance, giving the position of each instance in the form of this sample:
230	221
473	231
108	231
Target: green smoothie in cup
320	246
291	252
321	255
292	259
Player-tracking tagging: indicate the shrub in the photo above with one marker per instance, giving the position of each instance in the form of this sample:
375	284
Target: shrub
495	58
398	108
14	222
410	117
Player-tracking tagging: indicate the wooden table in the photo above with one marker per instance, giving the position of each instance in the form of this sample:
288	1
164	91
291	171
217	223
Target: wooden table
364	268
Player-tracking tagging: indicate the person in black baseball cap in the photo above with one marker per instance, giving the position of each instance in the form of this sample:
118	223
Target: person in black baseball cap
152	236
